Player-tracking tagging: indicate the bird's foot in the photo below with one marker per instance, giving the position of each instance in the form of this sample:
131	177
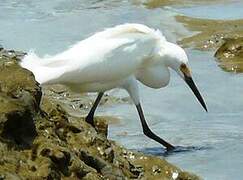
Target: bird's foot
161	151
170	148
184	149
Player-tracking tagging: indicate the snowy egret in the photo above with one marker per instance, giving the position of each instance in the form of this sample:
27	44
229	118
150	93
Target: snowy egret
117	57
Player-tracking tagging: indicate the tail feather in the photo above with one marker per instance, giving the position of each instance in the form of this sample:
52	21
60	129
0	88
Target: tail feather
31	61
43	74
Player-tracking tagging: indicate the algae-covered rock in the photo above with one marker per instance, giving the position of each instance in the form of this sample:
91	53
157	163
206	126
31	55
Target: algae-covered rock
230	55
41	140
20	98
225	36
209	34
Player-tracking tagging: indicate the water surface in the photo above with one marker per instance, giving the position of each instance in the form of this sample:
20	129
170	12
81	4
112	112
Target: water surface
214	11
172	112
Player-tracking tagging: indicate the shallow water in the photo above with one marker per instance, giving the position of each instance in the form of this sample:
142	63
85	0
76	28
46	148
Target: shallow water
231	10
176	116
173	112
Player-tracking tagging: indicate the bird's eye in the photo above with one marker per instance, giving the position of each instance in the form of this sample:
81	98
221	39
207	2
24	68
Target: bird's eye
183	66
184	69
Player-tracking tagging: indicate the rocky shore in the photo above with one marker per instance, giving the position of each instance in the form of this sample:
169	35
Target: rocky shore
40	139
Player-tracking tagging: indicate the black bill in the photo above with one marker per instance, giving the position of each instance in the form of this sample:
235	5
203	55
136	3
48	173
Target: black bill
194	89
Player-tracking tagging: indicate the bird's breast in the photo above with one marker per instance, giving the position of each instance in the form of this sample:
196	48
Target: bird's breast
154	77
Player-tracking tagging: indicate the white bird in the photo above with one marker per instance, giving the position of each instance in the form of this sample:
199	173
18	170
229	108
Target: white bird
117	57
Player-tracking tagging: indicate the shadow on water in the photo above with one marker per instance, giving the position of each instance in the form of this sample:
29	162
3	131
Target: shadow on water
159	151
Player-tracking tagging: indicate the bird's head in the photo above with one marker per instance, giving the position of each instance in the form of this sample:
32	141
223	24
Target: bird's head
175	58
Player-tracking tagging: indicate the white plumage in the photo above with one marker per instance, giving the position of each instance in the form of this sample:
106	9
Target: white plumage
107	60
115	57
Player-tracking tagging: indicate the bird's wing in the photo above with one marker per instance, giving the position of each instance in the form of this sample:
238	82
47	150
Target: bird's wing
108	60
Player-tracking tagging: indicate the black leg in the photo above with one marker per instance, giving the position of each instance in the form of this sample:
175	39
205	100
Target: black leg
90	118
149	133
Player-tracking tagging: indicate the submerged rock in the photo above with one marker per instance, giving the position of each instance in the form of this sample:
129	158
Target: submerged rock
209	34
230	55
39	139
224	36
161	3
78	104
